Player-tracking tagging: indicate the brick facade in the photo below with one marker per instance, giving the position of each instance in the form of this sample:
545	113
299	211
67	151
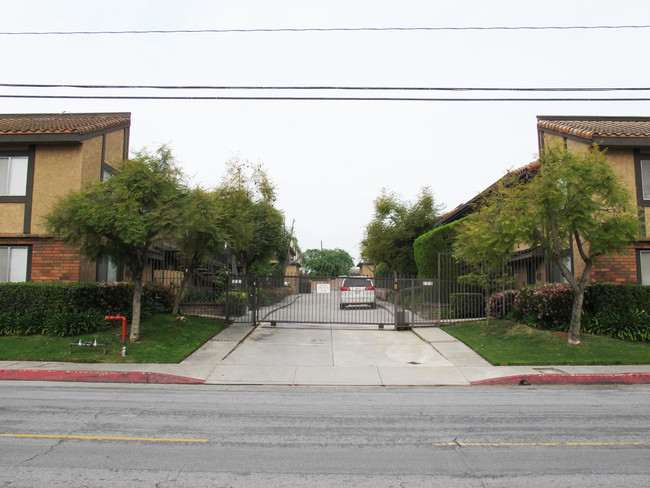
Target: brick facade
617	268
51	259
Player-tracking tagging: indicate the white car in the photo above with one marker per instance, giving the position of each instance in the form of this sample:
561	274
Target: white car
358	290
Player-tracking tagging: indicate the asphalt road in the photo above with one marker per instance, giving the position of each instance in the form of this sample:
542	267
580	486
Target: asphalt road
54	434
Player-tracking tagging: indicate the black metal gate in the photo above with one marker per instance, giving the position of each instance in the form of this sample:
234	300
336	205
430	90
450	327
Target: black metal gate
399	302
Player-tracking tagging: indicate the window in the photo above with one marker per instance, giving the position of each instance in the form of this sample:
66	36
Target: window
13	263
644	262
107	270
106	174
645	178
556	274
13	176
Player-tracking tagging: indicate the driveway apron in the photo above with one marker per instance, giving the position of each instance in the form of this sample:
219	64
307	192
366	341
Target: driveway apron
319	356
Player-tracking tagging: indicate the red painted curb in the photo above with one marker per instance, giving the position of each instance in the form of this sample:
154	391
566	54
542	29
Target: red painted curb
95	376
569	379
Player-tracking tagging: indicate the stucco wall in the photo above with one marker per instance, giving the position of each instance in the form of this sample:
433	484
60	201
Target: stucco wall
114	148
12	216
57	170
91	161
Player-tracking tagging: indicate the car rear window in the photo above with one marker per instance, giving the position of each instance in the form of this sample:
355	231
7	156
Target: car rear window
357	282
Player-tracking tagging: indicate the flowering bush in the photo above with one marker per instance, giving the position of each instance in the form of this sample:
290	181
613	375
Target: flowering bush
547	306
501	304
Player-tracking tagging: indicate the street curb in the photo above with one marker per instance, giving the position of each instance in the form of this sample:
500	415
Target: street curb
96	376
569	379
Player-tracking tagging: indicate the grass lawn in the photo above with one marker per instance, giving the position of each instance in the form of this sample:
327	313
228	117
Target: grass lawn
506	343
163	339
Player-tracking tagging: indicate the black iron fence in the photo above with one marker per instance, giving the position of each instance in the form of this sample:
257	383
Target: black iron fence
457	293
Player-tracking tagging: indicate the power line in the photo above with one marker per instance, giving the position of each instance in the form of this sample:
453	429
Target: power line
325	88
356	99
323	29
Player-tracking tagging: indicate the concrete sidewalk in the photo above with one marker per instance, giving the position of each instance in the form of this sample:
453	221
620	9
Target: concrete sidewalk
264	355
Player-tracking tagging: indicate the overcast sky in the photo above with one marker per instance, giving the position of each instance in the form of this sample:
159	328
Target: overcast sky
330	159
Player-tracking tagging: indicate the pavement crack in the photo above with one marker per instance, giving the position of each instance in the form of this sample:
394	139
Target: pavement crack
458	448
49	450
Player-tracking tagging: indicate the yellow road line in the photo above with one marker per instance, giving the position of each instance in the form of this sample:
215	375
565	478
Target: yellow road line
542	444
103	438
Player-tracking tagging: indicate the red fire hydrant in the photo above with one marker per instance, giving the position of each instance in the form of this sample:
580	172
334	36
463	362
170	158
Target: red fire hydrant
123	319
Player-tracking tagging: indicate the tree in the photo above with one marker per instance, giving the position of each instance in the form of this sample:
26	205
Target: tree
122	218
575	202
198	235
254	228
327	262
395	225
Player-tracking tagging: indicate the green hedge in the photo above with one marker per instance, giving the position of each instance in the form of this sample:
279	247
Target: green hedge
617	311
72	308
427	247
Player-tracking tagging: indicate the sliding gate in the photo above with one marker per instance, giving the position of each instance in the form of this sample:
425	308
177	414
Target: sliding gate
399	302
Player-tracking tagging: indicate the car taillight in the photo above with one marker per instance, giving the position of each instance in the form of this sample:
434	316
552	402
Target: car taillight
370	287
345	288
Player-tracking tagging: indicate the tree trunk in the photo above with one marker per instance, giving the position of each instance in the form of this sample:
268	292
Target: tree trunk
181	289
135	320
576	315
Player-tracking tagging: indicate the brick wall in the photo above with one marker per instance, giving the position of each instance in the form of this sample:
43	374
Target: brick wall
616	268
51	260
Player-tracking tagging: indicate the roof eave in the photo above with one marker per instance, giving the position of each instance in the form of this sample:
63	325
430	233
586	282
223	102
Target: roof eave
57	137
620	141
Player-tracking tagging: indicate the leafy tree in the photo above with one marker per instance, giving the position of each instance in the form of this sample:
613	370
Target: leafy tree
395	225
254	228
575	202
198	235
122	218
327	262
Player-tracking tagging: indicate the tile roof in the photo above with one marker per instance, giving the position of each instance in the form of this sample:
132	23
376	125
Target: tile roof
65	123
594	127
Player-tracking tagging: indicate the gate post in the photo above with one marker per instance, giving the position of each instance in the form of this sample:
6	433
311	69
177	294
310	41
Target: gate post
227	301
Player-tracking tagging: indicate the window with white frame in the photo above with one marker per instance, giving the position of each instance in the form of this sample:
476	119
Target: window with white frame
13	263
13	176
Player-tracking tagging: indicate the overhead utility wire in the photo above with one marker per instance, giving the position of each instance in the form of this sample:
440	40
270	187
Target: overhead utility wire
352	88
359	99
323	29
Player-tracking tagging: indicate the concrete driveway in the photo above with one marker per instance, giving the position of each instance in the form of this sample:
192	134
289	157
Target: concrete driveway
335	356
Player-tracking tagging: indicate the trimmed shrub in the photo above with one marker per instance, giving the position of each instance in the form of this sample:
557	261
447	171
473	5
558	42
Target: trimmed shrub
28	308
603	298
617	311
546	306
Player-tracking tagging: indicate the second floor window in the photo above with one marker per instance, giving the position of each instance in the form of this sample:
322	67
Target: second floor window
645	178
13	176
